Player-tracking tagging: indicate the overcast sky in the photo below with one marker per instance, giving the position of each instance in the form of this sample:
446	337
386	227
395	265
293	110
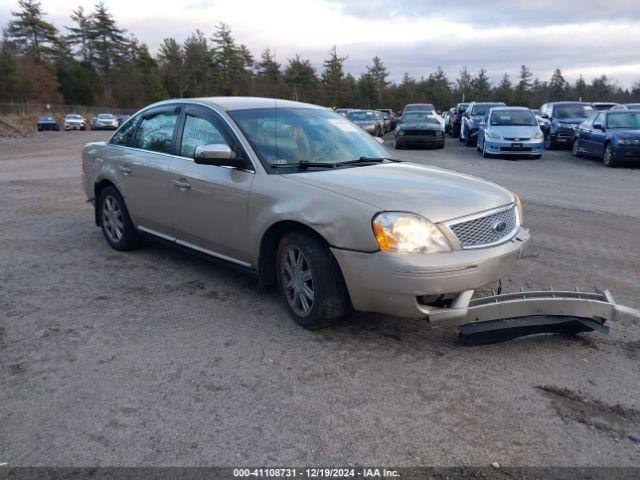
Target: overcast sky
415	36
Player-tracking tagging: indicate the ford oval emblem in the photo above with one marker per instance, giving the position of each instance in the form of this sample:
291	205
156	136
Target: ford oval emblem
499	226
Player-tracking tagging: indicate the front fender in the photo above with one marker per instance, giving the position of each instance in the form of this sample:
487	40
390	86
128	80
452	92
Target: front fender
342	221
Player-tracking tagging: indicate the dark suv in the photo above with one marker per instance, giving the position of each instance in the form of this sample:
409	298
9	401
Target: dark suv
456	119
471	119
564	118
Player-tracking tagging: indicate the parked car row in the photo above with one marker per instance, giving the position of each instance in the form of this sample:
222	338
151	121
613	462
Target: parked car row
74	121
602	129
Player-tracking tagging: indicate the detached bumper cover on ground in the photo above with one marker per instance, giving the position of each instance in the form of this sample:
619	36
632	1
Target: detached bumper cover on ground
511	315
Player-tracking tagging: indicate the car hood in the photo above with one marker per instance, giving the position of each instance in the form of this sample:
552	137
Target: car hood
434	193
516	131
364	122
626	132
420	126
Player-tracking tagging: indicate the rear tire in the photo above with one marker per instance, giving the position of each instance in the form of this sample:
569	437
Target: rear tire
310	281
116	224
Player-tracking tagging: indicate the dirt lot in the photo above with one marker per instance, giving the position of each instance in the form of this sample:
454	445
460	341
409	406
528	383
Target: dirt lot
156	358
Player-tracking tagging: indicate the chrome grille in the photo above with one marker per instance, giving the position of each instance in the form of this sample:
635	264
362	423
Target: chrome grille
482	231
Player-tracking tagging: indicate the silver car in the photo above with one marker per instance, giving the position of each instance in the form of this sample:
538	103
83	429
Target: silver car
74	121
308	202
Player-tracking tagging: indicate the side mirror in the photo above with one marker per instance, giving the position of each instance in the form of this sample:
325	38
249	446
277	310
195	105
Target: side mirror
544	115
598	126
217	154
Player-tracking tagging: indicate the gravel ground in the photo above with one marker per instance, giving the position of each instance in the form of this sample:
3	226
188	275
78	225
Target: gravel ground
155	357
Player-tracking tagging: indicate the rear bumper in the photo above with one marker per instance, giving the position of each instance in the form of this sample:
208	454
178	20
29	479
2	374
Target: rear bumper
393	284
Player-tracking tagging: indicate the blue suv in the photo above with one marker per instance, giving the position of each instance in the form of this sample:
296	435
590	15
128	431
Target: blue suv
563	120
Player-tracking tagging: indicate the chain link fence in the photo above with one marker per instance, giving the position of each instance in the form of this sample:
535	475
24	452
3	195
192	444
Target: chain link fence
58	110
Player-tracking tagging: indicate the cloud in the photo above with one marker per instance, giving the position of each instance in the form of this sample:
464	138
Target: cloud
414	36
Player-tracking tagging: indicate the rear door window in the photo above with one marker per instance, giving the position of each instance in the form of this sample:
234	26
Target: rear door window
155	132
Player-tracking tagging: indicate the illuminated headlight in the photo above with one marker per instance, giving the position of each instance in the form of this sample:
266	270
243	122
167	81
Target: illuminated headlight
519	209
408	233
539	135
492	134
627	141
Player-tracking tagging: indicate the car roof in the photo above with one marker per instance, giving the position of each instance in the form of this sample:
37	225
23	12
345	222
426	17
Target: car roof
568	102
242	103
506	107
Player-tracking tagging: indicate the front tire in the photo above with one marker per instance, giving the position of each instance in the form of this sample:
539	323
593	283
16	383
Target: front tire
468	142
310	281
116	224
575	149
609	157
549	142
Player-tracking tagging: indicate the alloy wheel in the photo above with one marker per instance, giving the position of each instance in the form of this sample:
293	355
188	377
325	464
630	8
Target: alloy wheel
112	219
608	155
297	280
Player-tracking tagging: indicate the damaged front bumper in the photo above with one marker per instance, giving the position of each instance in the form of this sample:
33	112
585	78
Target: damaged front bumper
506	316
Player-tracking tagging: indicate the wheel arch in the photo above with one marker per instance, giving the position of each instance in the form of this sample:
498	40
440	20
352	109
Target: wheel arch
98	187
269	247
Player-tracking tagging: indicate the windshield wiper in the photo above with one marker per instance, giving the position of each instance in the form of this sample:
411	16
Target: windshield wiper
368	160
304	165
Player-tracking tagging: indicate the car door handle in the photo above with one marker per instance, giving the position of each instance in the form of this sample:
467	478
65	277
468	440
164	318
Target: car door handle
182	184
125	170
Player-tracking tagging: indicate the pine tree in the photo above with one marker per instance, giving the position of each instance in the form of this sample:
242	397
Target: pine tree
557	86
301	77
107	41
580	89
480	86
333	76
230	59
80	35
379	74
268	73
504	90
463	85
29	28
171	67
523	89
200	73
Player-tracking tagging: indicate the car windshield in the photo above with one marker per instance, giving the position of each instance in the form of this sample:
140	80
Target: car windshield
624	120
46	119
572	111
462	107
632	106
419	108
361	116
513	118
74	117
419	117
481	109
105	116
287	136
